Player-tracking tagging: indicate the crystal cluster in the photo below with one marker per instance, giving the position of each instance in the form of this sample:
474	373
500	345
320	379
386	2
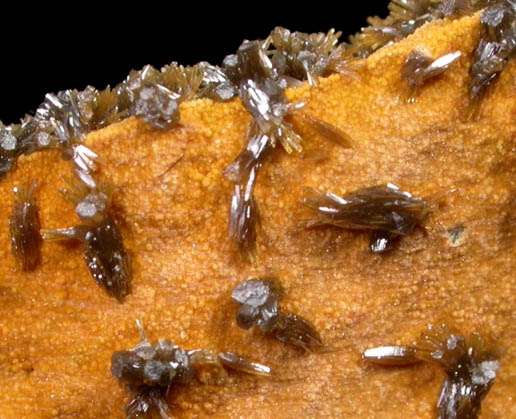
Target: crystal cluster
470	366
104	252
259	299
405	17
419	68
302	56
259	76
286	57
64	119
149	371
255	80
386	210
24	227
497	45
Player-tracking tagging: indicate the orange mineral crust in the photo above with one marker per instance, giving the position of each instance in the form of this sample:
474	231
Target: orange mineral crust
59	329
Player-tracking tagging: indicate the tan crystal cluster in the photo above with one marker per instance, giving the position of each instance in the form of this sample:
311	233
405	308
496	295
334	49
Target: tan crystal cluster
58	330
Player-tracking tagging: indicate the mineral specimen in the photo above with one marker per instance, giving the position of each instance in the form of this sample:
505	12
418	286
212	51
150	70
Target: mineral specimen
58	335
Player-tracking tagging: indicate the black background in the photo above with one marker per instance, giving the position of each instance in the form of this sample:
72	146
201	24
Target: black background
61	49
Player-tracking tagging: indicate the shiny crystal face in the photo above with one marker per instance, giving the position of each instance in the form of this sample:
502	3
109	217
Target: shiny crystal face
157	106
107	259
244	218
7	141
391	355
92	207
259	298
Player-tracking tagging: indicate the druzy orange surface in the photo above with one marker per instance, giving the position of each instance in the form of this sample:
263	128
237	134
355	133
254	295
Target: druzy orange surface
58	329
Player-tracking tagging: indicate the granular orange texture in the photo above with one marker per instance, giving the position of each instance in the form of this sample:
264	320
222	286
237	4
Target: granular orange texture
58	329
